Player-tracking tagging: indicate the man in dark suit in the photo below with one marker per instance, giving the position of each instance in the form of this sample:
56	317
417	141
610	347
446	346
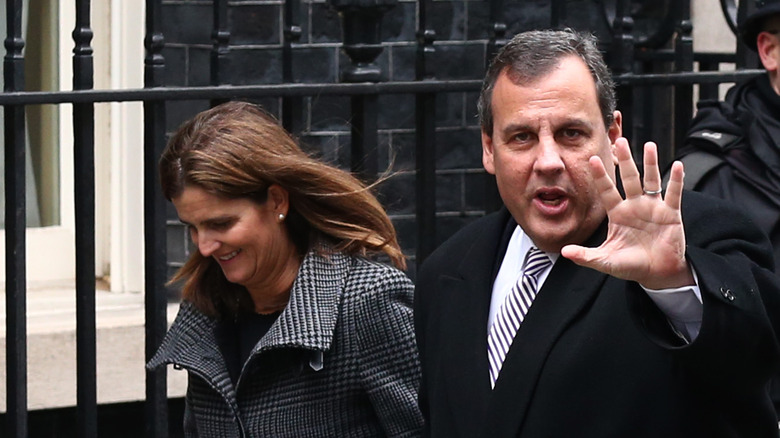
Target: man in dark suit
643	314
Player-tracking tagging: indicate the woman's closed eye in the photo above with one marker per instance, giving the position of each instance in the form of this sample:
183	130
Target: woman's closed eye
220	224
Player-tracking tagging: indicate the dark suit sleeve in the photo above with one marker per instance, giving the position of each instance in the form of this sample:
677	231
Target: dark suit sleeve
737	344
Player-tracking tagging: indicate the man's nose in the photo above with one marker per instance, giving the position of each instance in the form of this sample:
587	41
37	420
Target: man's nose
548	157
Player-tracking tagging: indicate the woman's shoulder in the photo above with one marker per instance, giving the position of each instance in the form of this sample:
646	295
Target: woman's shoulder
366	271
372	285
354	273
377	296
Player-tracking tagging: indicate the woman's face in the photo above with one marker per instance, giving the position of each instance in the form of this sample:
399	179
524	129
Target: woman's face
247	239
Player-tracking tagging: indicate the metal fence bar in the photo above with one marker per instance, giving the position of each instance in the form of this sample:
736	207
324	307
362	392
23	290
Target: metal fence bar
362	43
155	251
340	89
683	93
558	13
496	41
623	62
84	185
15	224
364	158
220	50
708	91
425	140
291	105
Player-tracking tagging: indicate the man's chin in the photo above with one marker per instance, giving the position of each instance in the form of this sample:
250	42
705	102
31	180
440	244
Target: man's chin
549	243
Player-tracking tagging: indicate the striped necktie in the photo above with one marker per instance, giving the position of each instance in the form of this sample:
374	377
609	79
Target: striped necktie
512	312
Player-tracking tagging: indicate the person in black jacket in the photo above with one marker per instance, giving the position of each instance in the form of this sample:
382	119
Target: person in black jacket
578	310
732	149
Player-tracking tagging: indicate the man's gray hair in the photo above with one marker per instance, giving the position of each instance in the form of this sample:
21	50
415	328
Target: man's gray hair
531	55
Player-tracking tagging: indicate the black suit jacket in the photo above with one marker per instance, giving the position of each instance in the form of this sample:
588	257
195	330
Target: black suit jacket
595	357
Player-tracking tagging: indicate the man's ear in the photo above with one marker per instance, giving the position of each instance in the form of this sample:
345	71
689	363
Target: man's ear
614	132
487	153
279	199
766	45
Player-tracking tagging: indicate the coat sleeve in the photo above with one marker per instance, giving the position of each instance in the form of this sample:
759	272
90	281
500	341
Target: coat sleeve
388	360
737	345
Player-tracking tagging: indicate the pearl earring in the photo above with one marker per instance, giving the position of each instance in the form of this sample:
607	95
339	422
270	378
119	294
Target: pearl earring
281	217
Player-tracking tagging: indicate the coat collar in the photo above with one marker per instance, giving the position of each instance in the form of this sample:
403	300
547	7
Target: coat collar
308	322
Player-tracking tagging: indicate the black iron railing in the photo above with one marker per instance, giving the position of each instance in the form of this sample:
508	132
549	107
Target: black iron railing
632	58
15	224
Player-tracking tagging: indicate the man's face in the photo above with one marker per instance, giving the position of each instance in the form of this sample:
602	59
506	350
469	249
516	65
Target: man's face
544	132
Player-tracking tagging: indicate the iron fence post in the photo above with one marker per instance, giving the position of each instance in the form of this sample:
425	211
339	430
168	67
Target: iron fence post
291	105
683	94
15	227
622	60
220	50
84	197
155	256
425	140
496	41
361	23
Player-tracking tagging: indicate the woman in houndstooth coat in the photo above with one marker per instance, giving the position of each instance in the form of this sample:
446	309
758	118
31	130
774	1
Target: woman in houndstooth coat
287	328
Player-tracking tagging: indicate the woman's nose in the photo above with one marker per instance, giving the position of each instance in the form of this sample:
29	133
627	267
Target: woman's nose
207	246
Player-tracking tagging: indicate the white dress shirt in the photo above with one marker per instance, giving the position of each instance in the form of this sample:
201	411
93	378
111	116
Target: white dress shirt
682	306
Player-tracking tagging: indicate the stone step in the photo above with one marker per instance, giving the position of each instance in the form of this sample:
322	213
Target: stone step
51	348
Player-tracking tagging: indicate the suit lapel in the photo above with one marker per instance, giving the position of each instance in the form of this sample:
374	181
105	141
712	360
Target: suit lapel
566	292
465	317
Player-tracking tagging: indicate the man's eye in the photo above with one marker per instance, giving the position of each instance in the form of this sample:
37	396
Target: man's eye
571	133
522	137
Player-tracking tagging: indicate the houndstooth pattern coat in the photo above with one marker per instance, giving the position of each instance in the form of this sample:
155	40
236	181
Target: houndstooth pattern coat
340	361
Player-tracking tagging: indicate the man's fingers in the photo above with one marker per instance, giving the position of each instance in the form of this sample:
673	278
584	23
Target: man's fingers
674	189
574	253
629	174
583	256
610	197
652	177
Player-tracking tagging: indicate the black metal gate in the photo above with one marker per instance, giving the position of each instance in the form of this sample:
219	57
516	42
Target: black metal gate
646	51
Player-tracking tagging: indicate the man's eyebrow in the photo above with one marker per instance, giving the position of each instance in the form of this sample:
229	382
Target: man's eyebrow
515	127
575	123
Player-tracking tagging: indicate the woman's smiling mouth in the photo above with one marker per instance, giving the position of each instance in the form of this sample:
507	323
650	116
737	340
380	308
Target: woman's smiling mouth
230	256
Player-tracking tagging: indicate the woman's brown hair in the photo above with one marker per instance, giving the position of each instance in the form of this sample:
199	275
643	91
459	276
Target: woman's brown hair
236	150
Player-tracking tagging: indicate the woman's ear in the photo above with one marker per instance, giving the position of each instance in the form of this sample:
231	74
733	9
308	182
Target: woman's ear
278	199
